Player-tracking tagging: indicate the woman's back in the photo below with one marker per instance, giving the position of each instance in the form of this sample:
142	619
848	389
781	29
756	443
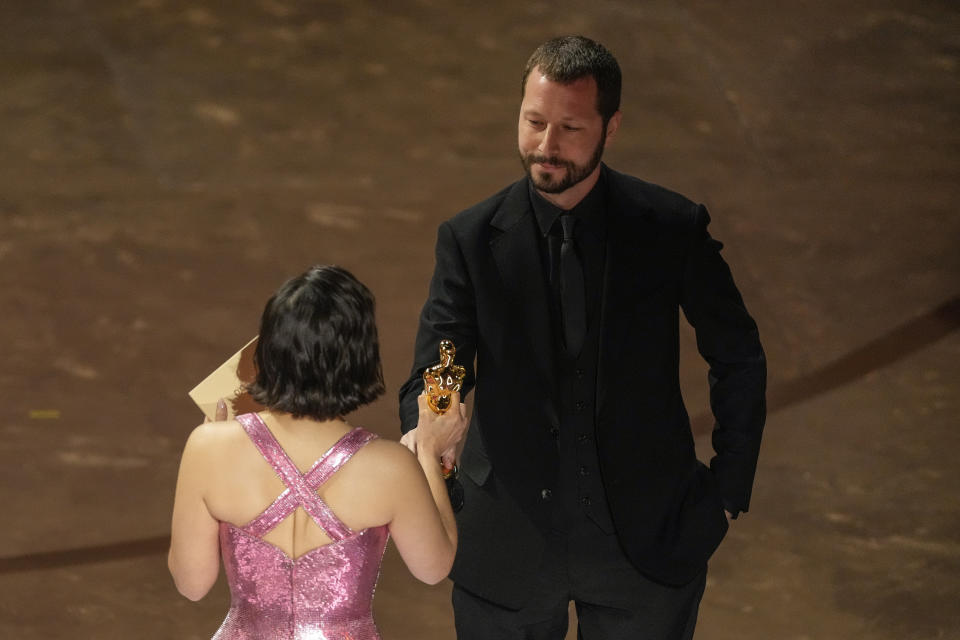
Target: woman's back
240	482
295	570
302	542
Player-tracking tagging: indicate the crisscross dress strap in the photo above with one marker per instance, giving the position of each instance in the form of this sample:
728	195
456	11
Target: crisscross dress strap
301	488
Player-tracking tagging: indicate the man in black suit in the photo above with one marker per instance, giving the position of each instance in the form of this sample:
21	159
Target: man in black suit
579	472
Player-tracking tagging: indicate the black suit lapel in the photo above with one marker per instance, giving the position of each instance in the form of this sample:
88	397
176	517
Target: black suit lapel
629	272
516	253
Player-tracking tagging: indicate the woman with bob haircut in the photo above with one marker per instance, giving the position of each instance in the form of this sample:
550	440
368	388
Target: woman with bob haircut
298	502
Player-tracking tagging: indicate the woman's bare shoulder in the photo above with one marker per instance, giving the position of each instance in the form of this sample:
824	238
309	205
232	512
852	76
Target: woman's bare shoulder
209	437
388	460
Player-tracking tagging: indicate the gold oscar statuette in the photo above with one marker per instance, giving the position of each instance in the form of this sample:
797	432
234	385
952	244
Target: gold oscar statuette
442	379
440	382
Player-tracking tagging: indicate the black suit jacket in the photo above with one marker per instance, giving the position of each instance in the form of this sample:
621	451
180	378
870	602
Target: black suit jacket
488	296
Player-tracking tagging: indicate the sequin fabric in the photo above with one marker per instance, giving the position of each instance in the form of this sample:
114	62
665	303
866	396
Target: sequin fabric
324	594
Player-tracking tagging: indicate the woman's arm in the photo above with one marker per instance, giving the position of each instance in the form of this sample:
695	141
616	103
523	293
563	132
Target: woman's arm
423	526
194	558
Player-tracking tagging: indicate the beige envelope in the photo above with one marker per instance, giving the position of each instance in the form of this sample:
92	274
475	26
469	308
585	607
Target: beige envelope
227	382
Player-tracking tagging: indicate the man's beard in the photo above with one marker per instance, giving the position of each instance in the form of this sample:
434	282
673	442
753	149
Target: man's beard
575	173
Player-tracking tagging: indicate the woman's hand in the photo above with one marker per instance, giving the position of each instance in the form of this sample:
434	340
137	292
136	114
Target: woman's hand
439	436
220	414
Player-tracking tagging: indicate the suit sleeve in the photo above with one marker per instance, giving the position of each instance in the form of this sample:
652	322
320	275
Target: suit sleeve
449	313
728	340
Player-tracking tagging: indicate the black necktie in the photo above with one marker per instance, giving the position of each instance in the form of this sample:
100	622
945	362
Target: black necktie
572	290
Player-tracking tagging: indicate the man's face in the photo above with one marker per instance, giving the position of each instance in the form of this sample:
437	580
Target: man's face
560	133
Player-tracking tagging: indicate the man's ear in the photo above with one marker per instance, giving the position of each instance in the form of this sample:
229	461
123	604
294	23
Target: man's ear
612	126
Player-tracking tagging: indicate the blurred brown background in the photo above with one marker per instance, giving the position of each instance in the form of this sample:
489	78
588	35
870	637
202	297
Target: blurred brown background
165	165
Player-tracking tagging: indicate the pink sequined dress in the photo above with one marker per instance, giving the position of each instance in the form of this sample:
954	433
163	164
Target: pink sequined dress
324	594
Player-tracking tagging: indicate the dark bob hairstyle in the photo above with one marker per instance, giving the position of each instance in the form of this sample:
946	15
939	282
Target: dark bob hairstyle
318	354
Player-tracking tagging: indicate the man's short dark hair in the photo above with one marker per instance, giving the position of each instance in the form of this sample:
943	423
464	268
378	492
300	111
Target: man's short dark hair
318	355
569	58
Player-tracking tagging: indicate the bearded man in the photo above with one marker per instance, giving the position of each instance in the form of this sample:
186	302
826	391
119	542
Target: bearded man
562	294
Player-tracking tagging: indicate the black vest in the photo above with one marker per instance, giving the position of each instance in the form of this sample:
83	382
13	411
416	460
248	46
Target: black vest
579	490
